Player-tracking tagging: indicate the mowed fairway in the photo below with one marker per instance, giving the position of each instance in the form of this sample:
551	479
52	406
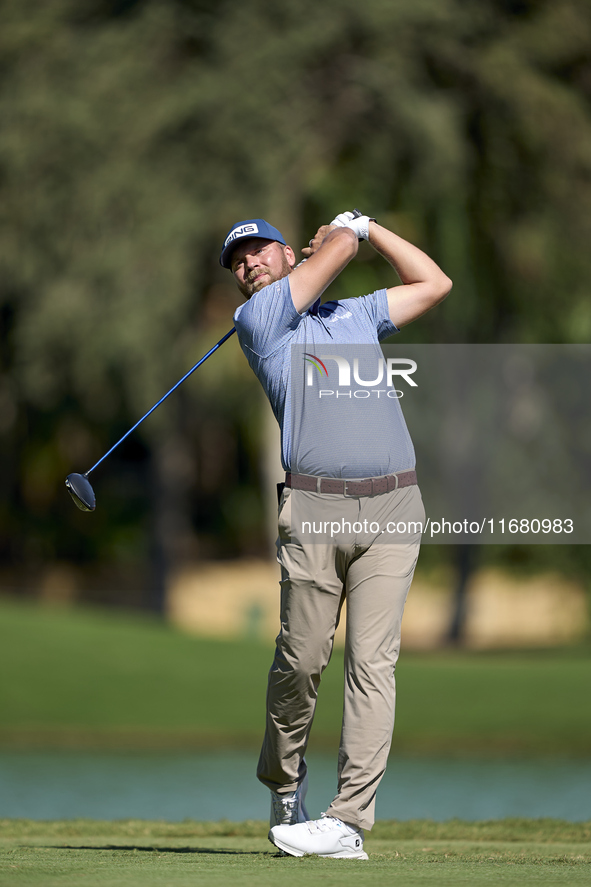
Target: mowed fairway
87	678
95	678
126	854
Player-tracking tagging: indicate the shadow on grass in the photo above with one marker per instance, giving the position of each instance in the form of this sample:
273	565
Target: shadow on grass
151	849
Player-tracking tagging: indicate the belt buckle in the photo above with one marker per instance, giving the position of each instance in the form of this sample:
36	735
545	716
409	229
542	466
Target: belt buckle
346	494
358	495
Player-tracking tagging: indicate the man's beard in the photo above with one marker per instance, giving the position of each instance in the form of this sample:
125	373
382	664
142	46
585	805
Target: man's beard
250	286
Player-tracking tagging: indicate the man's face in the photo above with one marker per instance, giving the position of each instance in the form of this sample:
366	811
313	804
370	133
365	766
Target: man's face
257	263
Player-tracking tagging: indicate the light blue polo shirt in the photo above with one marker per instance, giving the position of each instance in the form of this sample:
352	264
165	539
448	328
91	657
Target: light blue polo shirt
323	434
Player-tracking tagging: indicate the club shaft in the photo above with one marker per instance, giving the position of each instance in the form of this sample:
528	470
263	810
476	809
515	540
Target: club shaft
162	399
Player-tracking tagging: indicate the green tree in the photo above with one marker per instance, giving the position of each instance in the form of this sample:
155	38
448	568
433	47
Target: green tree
135	133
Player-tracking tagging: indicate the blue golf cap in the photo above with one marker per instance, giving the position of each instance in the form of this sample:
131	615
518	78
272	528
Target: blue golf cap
243	230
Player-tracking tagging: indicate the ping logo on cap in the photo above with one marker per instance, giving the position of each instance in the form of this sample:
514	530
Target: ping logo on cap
241	231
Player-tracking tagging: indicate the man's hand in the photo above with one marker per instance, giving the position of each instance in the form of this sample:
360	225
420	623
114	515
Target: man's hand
358	223
317	240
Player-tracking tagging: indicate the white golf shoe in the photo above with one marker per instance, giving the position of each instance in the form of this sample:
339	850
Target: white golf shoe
289	809
324	837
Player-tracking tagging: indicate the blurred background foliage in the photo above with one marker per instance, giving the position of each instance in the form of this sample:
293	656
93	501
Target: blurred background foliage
135	132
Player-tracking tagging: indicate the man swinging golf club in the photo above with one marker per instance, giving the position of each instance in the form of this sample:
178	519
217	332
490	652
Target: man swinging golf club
349	464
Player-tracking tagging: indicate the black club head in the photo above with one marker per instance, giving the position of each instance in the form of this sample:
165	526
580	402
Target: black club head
81	492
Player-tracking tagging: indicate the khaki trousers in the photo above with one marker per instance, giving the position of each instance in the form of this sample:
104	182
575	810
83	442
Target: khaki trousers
373	573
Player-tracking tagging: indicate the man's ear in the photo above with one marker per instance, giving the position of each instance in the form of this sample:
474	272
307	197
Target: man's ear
290	256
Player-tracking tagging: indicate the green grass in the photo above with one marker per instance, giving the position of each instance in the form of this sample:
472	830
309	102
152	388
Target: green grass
97	678
134	853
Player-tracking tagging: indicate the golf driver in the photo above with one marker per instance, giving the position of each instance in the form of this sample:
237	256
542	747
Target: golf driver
79	486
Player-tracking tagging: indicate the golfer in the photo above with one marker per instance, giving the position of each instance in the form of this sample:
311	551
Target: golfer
344	465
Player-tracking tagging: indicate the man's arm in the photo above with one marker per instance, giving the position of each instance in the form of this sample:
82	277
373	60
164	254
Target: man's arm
424	284
330	251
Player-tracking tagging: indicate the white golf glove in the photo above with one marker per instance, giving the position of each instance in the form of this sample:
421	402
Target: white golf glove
359	224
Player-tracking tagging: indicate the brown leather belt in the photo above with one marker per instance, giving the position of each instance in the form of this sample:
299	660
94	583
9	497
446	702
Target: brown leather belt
370	486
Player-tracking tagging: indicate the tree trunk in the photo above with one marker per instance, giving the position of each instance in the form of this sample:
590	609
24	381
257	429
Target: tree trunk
465	557
173	540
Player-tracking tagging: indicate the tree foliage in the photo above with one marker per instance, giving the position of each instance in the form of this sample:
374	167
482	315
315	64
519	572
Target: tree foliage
136	131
